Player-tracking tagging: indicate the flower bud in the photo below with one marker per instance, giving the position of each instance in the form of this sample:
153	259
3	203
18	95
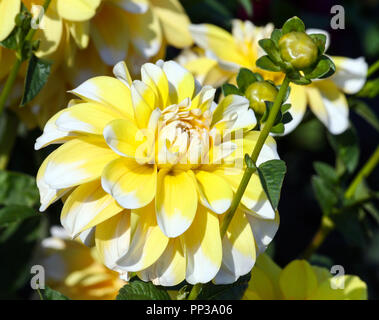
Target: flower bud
298	49
259	92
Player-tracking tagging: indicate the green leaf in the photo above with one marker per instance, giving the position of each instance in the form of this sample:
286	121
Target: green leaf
270	48
362	109
322	69
276	35
233	291
245	78
266	63
293	24
302	81
287	118
11	41
325	195
278	128
50	294
228	89
36	77
18	189
320	40
326	172
139	290
271	173
15	213
370	89
346	148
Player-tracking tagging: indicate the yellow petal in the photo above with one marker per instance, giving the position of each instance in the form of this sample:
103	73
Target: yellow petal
112	238
8	12
87	206
176	201
80	33
143	98
174	21
154	77
77	10
203	247
108	91
215	192
147	244
297	280
170	268
298	100
132	185
111	45
260	286
133	6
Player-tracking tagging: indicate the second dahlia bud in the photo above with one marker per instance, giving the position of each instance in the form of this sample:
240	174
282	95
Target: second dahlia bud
298	49
259	92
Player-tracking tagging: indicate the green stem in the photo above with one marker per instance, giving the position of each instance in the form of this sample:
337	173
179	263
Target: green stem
373	68
248	171
327	225
16	67
9	84
363	173
195	291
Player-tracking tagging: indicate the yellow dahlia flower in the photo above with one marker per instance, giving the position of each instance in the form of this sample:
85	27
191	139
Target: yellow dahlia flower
226	53
301	281
76	270
148	166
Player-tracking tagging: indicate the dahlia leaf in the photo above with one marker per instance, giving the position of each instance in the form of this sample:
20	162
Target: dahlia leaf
50	294
140	290
271	174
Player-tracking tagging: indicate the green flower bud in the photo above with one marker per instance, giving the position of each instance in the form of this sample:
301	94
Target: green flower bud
298	49
259	92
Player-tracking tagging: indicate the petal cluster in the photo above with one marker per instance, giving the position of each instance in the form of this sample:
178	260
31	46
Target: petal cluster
148	169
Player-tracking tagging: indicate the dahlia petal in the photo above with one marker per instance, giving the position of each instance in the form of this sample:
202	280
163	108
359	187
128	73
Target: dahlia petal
154	77
86	117
133	6
176	201
169	269
131	184
203	247
174	22
112	238
121	72
112	46
147	243
77	10
76	162
108	91
143	98
8	12
181	82
238	247
215	192
80	33
329	104
87	206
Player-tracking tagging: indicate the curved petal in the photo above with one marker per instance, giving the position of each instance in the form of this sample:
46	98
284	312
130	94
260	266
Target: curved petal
170	268
112	238
121	72
203	247
108	91
133	6
110	34
9	9
298	100
145	33
329	104
80	33
147	243
238	248
77	10
126	139
233	113
181	82
154	77
87	206
264	230
176	201
174	22
215	193
86	117
143	98
215	39
131	184
351	74
76	162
